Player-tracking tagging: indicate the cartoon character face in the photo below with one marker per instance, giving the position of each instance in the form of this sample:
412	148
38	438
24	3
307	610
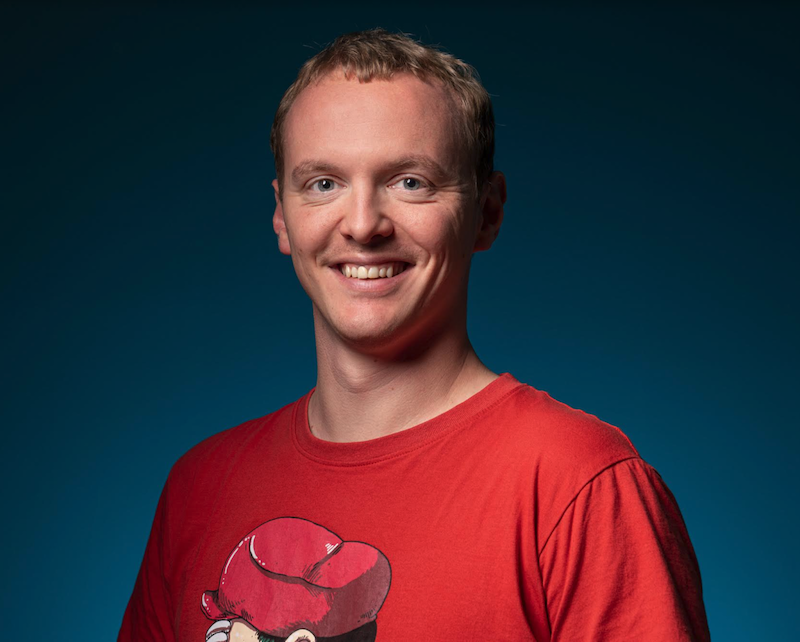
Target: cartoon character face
291	579
240	631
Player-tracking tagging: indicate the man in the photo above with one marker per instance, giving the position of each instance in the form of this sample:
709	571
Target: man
413	494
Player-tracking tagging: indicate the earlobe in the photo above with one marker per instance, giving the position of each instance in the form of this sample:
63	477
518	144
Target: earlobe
491	211
279	223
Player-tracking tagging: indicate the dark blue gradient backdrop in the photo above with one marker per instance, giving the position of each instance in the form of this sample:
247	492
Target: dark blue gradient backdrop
646	272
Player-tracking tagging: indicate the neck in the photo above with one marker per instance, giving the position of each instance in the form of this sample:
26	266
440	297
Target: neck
361	396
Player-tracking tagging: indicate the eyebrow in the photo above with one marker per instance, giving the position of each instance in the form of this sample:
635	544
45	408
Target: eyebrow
419	160
310	167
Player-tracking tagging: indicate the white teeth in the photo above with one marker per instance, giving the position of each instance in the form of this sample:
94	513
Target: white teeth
386	271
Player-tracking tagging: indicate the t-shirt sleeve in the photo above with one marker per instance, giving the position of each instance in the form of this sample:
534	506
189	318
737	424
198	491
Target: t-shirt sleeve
619	564
148	615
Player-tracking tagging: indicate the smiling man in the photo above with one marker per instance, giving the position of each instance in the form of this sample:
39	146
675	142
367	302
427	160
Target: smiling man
413	493
379	206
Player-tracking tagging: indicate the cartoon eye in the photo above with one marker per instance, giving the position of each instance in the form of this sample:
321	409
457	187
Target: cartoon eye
301	635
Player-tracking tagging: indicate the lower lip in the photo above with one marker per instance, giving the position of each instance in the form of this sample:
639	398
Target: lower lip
378	286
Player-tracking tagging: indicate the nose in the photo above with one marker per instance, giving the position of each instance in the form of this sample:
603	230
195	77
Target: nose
364	220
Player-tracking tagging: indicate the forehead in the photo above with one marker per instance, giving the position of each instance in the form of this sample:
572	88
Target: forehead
347	119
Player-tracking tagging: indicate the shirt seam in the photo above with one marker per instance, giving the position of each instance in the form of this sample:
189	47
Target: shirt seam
578	493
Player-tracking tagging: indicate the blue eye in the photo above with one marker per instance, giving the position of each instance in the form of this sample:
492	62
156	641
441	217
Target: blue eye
412	184
324	185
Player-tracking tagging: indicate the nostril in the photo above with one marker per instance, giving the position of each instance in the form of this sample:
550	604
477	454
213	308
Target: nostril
365	225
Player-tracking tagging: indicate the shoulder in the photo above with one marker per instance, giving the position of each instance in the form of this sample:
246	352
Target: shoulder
560	449
210	457
563	437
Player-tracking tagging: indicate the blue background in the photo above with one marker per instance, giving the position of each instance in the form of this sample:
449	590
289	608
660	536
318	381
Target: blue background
646	271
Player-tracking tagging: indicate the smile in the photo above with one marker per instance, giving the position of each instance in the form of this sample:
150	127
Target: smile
385	271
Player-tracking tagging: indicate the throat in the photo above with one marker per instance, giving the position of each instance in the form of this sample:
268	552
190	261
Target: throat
391	399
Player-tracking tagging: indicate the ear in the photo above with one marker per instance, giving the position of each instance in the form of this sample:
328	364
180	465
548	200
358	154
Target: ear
278	222
492	201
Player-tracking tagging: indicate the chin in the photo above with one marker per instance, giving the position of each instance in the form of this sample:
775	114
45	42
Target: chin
370	340
383	336
358	327
390	343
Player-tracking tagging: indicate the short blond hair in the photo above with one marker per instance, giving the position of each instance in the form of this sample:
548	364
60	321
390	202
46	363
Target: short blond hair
379	54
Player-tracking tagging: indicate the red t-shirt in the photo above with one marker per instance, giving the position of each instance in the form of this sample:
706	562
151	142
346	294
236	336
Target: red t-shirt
510	516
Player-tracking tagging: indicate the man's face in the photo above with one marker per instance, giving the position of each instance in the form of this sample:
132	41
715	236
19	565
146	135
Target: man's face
377	182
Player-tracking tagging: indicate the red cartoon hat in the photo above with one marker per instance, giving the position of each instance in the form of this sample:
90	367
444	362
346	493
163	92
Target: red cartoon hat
290	573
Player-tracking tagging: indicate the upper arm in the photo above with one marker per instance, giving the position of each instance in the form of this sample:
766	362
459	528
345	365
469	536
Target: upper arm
619	564
148	615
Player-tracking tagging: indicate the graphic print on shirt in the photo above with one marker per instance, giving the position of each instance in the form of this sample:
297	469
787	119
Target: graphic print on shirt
291	580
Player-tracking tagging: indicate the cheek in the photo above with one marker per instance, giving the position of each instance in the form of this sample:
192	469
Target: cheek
456	236
241	631
448	248
306	236
434	228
